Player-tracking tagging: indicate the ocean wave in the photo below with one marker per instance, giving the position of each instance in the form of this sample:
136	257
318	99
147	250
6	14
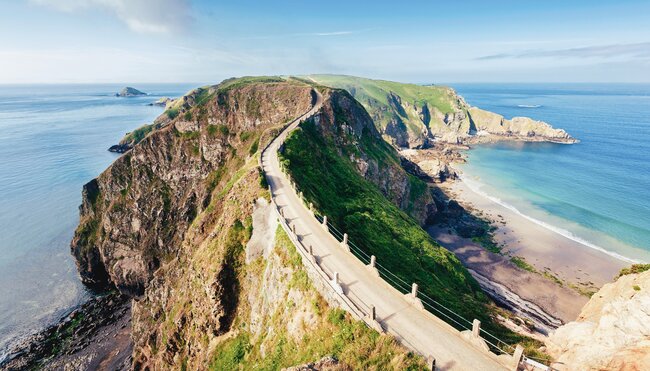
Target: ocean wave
475	187
529	105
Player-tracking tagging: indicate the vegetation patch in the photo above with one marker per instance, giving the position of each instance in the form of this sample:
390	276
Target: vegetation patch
172	113
634	268
376	226
214	130
523	264
138	134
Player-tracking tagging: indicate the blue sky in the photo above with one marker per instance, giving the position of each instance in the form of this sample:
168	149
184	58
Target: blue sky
54	41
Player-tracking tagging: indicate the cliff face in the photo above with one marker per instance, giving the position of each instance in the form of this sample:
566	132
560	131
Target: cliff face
181	222
346	124
612	331
415	116
135	214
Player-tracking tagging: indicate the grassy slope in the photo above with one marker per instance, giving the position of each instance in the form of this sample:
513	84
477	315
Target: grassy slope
436	96
375	225
180	318
373	95
334	333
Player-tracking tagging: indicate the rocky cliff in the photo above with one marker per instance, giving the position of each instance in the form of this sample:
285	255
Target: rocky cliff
612	331
135	214
346	126
416	116
182	224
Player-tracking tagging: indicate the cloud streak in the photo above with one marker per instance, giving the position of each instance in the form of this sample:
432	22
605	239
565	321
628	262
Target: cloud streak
636	50
142	16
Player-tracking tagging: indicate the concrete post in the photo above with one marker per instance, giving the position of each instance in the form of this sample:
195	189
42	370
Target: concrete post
281	211
516	357
476	328
371	266
344	243
311	250
325	223
431	362
293	228
300	195
414	290
373	313
311	208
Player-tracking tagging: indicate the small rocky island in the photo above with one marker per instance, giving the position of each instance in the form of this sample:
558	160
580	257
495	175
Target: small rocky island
162	102
130	92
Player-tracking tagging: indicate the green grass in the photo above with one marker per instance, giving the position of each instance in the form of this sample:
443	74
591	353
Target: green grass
390	103
172	113
231	353
138	134
234	83
367	90
338	335
213	130
487	242
373	223
634	268
523	264
254	147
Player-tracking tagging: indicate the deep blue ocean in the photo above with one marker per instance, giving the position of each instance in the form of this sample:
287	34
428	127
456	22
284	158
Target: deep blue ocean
596	191
53	139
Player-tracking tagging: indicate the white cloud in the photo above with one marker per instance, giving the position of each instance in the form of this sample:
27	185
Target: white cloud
144	16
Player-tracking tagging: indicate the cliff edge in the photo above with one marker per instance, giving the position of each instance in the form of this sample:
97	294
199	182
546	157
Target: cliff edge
612	331
417	116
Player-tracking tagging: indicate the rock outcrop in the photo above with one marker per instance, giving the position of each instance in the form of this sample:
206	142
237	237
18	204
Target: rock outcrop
129	92
135	214
416	116
162	102
489	124
345	123
612	331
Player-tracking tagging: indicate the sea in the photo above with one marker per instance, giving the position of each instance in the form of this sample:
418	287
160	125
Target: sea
54	139
597	191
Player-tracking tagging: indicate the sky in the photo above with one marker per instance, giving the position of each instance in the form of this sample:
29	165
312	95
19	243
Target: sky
129	41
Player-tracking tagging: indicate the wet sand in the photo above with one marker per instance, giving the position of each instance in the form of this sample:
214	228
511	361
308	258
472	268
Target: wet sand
547	251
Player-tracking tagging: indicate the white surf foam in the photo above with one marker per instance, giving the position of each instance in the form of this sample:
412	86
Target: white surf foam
476	186
529	105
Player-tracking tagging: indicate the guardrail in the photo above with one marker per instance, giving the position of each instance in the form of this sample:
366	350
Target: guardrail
328	280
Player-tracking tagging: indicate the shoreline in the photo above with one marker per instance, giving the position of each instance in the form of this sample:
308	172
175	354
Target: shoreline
550	272
544	248
563	232
95	335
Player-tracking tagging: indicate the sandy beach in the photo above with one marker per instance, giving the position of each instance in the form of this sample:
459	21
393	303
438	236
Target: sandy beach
576	265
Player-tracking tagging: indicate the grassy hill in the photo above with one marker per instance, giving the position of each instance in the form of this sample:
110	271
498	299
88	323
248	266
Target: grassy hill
320	156
408	115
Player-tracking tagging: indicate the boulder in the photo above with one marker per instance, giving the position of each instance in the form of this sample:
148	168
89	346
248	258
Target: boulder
612	331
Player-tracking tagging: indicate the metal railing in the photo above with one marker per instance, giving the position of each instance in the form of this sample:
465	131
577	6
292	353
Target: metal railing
357	305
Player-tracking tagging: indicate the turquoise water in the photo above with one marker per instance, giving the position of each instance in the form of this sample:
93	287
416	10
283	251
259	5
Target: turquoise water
596	191
53	139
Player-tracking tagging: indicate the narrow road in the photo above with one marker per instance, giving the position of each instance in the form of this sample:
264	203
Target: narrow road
415	329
